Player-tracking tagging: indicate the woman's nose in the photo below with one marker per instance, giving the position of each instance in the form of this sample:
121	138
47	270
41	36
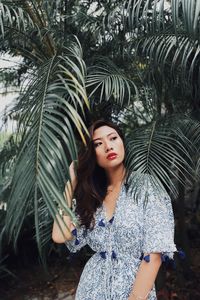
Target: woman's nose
108	148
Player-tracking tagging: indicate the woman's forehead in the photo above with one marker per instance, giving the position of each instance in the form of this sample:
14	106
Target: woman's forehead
102	132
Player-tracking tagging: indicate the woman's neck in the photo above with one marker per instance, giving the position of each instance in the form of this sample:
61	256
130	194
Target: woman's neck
116	175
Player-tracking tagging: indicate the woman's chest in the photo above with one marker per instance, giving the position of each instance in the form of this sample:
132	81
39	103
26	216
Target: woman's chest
110	204
125	225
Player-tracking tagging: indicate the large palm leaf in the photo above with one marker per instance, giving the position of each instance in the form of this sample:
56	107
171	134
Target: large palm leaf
13	16
164	150
49	111
166	37
25	30
107	82
49	116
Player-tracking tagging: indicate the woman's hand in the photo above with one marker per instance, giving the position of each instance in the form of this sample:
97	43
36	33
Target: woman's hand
70	185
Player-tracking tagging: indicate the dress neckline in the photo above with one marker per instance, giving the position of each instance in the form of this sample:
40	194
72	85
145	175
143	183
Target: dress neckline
116	206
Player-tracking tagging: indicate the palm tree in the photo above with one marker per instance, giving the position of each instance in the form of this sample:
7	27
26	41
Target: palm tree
127	46
50	107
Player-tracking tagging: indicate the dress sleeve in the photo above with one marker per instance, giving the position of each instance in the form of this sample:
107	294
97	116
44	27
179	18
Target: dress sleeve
158	223
79	234
79	239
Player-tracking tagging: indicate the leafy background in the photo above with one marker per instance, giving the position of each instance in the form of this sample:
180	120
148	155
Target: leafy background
135	62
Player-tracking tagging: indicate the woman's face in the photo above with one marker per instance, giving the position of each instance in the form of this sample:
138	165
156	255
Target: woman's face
109	147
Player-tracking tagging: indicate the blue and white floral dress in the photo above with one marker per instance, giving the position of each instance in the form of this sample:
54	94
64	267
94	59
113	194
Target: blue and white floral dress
120	243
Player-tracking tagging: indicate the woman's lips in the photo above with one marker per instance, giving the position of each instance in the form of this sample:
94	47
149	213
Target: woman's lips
111	156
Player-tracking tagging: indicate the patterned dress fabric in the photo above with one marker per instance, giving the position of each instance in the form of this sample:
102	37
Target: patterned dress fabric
121	242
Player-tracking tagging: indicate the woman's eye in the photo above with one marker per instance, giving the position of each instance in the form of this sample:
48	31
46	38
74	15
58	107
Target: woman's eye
113	138
97	144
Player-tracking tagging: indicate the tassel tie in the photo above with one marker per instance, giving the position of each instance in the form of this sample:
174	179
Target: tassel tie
74	233
109	256
103	254
146	257
103	224
165	258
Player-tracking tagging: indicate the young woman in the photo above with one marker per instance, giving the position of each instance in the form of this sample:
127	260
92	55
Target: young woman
130	239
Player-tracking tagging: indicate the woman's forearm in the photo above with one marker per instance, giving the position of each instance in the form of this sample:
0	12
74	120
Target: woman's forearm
145	277
62	228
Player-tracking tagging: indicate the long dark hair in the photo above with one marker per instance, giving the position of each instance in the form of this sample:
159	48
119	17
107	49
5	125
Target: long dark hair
92	182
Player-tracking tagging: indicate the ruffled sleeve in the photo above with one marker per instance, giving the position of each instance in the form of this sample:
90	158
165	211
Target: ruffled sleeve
158	223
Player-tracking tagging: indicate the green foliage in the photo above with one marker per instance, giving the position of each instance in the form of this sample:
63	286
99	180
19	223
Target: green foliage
162	150
111	82
4	272
135	62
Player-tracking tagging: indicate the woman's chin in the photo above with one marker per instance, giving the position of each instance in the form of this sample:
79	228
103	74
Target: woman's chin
113	164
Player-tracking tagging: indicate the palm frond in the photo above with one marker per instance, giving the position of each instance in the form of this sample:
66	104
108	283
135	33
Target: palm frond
164	50
24	29
153	16
51	110
189	14
13	16
107	81
167	39
163	151
7	154
4	271
143	16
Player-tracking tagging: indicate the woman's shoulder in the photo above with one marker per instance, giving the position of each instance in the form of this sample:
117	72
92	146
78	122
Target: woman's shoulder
144	188
144	181
136	182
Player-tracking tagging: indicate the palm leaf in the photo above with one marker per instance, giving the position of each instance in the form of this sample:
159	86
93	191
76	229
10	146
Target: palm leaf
165	37
162	152
24	28
13	16
189	14
107	81
49	116
4	271
143	16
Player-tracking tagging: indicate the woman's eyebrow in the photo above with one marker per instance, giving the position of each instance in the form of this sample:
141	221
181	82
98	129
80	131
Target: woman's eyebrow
100	138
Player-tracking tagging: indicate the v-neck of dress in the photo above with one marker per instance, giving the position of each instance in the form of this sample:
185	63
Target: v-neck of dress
116	205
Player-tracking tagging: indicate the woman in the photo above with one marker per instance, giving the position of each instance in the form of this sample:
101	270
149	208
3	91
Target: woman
130	239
